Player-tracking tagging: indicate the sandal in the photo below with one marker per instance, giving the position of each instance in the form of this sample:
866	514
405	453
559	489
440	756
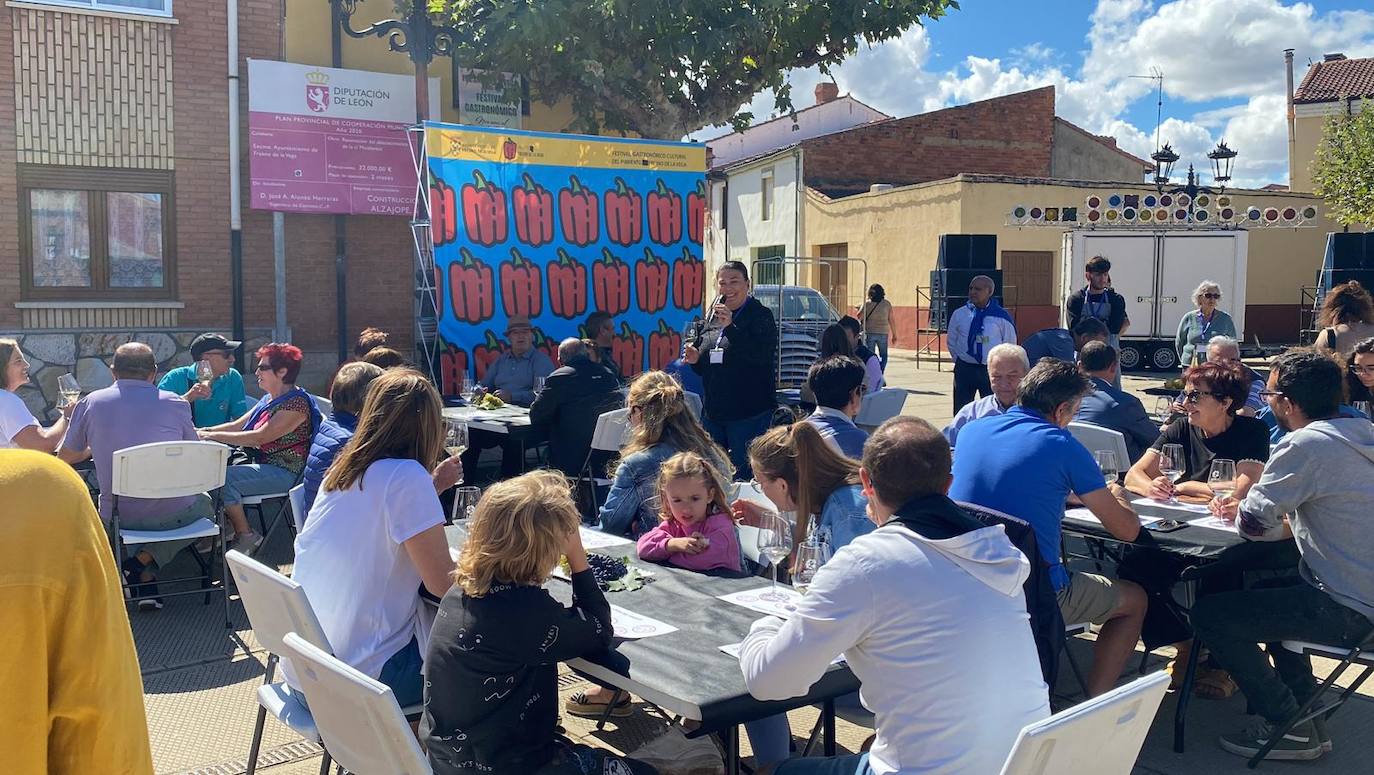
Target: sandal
1214	684
578	704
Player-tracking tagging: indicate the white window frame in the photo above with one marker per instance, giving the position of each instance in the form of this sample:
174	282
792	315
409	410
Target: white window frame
110	7
766	195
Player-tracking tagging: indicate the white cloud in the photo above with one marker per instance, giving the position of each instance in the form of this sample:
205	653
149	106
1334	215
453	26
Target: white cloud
1208	50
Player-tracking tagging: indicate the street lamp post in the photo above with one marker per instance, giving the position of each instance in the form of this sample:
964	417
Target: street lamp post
1222	158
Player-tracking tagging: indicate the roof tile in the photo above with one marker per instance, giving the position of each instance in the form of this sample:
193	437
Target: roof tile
1336	80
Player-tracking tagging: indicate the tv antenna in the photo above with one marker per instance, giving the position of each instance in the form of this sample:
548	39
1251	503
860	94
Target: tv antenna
1156	75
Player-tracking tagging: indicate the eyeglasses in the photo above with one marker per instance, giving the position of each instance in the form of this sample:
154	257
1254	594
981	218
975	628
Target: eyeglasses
1267	394
1362	369
1194	396
263	367
1213	296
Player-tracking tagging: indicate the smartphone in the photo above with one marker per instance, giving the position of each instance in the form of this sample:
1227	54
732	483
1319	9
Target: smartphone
1165	525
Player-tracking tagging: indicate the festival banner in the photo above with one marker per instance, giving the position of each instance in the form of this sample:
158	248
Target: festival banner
555	227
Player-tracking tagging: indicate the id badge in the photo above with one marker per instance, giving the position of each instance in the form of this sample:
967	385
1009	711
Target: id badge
717	355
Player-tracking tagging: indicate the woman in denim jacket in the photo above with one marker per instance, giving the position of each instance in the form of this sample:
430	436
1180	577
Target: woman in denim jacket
661	425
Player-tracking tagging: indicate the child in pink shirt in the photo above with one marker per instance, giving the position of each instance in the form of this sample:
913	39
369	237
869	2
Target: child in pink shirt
695	529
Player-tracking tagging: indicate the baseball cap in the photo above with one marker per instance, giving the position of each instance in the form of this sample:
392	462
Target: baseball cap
212	342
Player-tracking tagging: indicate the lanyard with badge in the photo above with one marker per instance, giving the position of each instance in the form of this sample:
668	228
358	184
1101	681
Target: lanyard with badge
717	352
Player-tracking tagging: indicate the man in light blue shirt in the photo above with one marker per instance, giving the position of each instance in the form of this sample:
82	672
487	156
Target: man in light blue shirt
838	383
513	374
1007	366
1111	407
224	400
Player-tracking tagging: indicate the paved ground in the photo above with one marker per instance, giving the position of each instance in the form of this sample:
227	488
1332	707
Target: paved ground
200	679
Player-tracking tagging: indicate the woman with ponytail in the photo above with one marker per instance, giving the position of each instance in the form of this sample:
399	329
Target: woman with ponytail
661	425
798	471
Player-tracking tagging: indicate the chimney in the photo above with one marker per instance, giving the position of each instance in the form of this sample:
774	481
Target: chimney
1292	117
826	91
1337	57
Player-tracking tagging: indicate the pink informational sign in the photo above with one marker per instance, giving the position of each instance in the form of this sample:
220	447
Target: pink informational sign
325	140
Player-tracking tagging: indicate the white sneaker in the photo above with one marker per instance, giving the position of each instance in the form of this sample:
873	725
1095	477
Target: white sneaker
248	543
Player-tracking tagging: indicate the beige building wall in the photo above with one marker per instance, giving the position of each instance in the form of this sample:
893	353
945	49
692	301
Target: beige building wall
1309	124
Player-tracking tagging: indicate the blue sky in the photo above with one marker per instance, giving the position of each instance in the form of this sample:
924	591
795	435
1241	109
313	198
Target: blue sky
1222	62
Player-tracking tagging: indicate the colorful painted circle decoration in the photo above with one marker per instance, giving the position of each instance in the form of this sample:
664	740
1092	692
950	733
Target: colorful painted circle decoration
1309	212
1166	201
1094	202
1094	216
1271	214
1114	200
1019	212
1146	216
1161	214
1151	200
1128	213
1184	199
1290	214
1252	214
1036	213
1201	216
1223	201
1202	200
1227	214
1180	214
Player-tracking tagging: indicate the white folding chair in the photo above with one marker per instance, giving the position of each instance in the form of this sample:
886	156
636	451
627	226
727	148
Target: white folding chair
276	605
1097	438
878	407
297	498
359	720
1362	655
1102	736
611	429
325	406
170	469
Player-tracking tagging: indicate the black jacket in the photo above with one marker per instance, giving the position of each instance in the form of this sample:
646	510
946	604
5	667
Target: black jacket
1115	311
745	383
573	397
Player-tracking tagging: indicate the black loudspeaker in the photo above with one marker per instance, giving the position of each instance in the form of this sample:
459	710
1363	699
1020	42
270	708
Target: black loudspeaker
1352	251
967	251
949	291
1364	277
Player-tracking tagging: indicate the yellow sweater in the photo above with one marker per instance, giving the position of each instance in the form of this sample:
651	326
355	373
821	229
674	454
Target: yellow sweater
73	696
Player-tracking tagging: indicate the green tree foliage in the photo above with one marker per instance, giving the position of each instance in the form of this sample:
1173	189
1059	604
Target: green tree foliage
663	68
1343	170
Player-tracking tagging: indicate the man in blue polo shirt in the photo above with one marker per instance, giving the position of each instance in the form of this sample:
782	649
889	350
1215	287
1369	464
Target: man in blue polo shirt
1024	463
224	400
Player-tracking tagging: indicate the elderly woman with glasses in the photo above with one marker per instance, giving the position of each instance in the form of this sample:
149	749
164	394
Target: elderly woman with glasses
1205	321
1211	430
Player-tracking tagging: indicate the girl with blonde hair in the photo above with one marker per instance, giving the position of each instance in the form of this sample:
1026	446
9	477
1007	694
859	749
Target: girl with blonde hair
661	425
492	664
695	529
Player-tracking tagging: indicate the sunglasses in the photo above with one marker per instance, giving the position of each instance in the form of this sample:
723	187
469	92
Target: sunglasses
263	367
1195	396
1267	394
1212	296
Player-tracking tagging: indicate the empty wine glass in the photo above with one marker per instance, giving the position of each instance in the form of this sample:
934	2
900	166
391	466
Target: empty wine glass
1164	409
1222	477
467	388
1106	460
811	555
539	383
1171	465
774	542
464	505
69	388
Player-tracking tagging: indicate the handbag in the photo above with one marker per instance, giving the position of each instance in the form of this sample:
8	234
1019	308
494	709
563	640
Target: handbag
672	753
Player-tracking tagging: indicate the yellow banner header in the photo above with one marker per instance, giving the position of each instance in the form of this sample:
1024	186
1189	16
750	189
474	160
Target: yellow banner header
566	151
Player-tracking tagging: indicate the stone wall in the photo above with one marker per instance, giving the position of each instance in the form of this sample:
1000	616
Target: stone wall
87	355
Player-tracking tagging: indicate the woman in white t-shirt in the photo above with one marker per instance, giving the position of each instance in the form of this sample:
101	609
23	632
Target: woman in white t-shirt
376	532
18	427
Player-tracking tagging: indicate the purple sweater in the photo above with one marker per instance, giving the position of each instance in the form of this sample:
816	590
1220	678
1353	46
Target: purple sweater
718	528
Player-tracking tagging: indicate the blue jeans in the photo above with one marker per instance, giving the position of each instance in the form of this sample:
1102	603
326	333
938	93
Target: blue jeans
255	479
878	344
736	436
854	764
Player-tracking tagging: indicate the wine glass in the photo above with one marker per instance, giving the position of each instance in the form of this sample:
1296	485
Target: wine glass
775	543
69	388
1222	477
539	383
1164	409
465	505
204	373
455	437
467	388
1171	465
1106	460
811	555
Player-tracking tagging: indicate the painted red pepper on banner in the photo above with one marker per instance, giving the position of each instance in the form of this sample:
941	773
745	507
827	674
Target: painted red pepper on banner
470	288
533	205
611	284
579	214
453	369
665	345
665	215
484	211
651	282
627	348
485	354
443	215
567	286
696	213
521	290
689	281
624	220
543	342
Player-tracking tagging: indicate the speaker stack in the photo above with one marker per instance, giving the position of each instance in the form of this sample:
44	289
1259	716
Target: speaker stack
1352	258
962	257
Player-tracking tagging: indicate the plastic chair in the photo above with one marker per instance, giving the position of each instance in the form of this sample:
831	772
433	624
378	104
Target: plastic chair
170	469
1097	438
358	718
1362	655
609	436
878	407
325	406
276	605
296	496
1102	736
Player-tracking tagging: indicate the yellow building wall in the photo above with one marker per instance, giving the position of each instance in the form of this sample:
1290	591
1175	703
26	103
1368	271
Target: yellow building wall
307	41
1306	136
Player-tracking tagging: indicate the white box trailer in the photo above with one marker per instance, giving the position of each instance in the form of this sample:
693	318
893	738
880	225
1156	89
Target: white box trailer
1156	271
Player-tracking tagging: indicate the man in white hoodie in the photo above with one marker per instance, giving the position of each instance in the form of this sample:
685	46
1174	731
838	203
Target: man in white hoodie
1318	487
929	612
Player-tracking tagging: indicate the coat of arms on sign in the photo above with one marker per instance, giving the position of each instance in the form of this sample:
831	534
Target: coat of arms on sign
317	91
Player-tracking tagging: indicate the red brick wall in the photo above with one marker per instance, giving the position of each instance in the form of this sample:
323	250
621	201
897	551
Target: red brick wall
1010	135
9	203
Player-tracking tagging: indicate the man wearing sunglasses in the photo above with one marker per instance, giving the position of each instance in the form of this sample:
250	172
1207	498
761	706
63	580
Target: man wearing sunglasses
1318	488
224	399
